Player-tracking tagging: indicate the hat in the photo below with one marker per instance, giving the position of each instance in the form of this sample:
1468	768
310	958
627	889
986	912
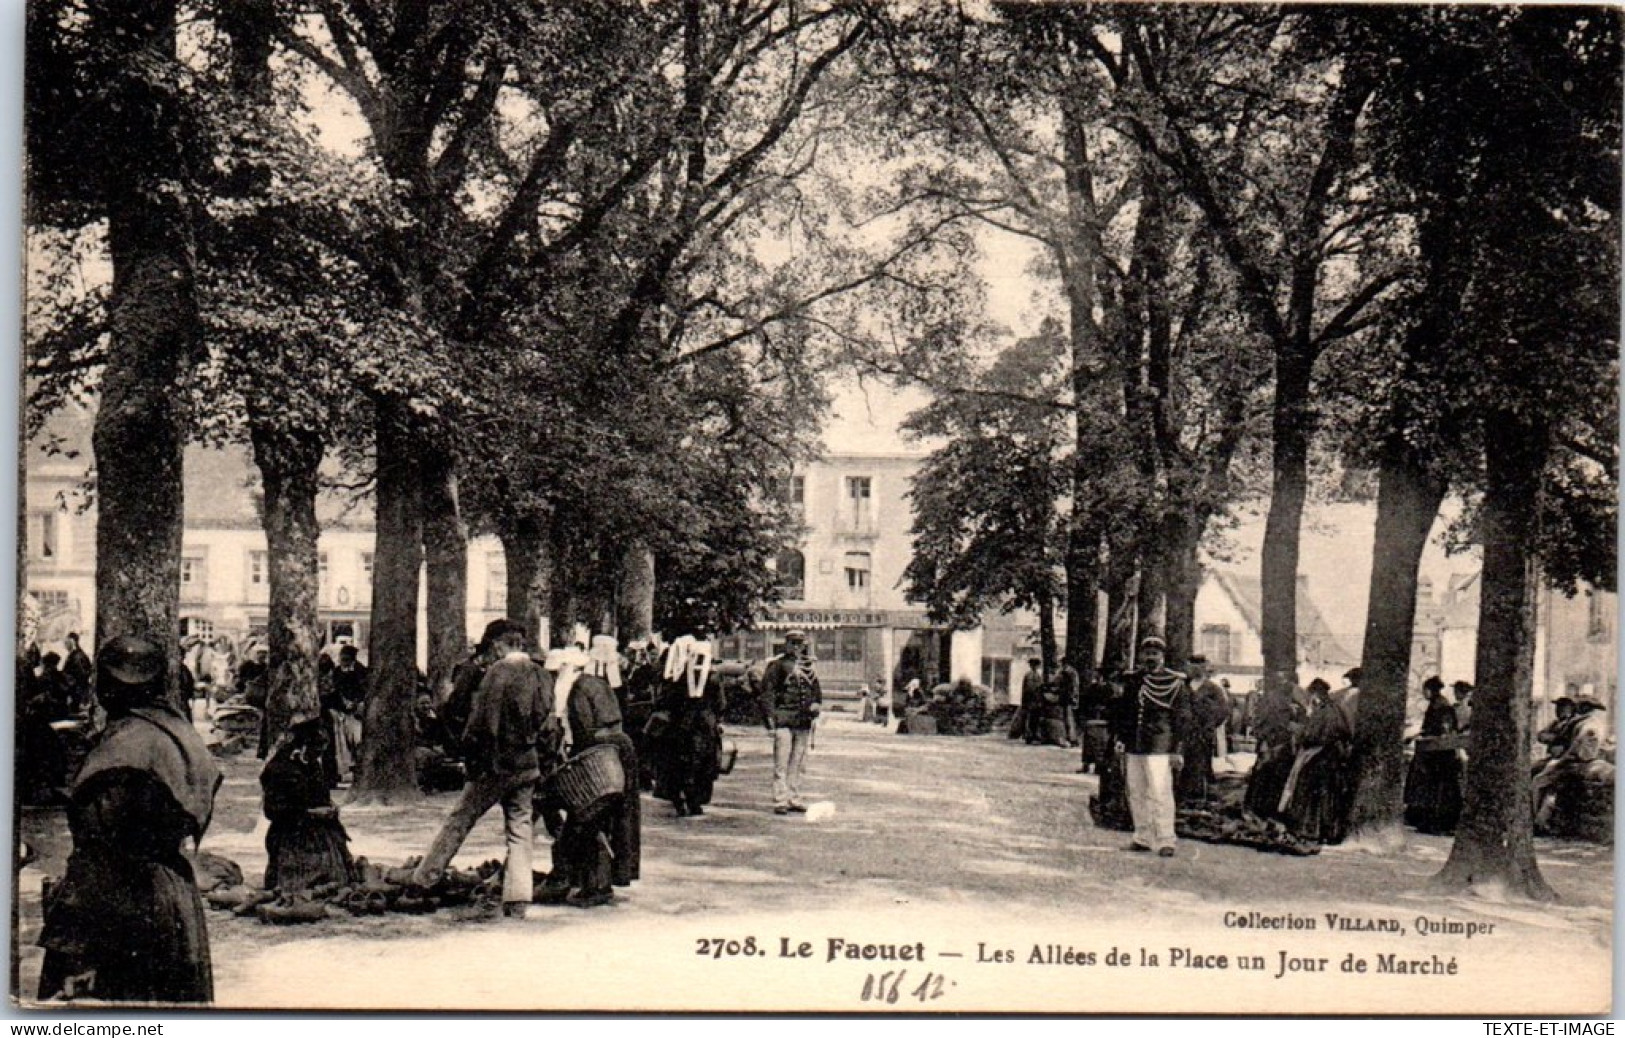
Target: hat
1197	658
347	650
797	635
1153	642
1319	685
132	660
1435	683
1462	686
1353	674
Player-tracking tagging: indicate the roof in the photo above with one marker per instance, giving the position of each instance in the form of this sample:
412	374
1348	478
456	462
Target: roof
1248	595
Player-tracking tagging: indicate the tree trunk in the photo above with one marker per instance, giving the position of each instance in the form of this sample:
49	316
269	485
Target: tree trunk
1408	499
1179	545
1046	636
1082	600
387	769
1494	848
635	593
524	547
1289	486
139	431
445	544
289	462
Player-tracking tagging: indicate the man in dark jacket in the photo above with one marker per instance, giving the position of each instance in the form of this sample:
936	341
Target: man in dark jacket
511	712
792	699
1150	727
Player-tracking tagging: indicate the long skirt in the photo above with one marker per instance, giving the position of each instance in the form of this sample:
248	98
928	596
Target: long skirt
126	930
1318	810
690	759
302	853
1433	791
1195	778
1267	782
623	824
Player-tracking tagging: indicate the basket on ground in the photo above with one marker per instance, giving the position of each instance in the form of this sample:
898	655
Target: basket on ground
587	783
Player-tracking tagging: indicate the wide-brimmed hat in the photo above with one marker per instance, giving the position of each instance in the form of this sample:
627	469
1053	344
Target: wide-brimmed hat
132	659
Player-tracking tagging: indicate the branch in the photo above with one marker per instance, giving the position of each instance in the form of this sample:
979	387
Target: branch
1343	323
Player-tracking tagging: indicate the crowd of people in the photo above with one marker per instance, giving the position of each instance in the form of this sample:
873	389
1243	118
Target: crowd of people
571	738
547	739
1153	734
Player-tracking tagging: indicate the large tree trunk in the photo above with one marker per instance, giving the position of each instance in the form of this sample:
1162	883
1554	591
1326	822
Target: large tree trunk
1408	499
1046	636
635	593
1288	488
445	544
1180	541
524	548
1494	848
139	431
289	462
1082	600
387	769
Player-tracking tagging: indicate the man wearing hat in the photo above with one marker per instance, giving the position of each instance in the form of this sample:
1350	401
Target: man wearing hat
510	715
1209	708
792	700
1150	731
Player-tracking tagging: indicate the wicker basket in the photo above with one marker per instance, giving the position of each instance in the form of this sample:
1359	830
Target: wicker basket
589	782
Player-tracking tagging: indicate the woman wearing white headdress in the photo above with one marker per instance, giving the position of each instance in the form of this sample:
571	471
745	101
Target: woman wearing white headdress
689	755
585	867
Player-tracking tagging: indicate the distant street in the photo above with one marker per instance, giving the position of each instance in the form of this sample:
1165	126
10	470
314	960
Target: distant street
964	846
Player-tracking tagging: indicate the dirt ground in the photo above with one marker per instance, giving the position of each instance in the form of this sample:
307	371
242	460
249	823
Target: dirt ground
979	850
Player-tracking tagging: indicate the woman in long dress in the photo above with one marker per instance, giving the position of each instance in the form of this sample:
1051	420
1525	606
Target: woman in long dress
1433	783
1316	809
306	844
126	923
691	751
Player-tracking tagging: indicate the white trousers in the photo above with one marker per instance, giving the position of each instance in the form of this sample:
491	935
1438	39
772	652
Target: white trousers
789	764
1151	798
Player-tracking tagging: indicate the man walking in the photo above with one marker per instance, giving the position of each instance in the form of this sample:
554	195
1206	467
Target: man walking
792	700
1149	733
512	711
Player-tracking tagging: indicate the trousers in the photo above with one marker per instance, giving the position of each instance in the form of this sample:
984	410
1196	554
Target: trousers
514	792
1151	799
789	764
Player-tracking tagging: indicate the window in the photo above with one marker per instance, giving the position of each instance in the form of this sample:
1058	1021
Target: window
193	576
1215	644
258	576
860	502
196	627
43	535
850	642
321	568
1596	617
823	643
496	580
51	602
857	570
791	567
366	567
996	674
795	492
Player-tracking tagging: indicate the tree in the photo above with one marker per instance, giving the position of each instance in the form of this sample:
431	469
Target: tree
1540	328
987	503
1277	187
112	137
